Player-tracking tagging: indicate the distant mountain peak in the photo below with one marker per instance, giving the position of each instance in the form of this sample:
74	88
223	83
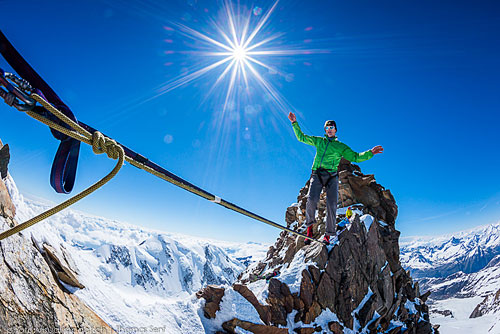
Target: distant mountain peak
458	269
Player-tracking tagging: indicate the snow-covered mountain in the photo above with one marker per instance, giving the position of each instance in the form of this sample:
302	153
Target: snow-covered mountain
462	271
468	252
134	277
147	281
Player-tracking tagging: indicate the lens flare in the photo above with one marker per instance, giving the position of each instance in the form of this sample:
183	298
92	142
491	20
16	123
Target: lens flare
239	51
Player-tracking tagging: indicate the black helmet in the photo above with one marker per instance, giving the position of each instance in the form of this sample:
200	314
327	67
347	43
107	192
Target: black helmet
330	123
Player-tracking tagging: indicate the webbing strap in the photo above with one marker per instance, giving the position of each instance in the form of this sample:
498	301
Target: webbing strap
63	171
147	165
65	163
158	171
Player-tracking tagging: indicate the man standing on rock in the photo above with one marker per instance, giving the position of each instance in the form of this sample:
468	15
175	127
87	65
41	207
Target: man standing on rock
329	152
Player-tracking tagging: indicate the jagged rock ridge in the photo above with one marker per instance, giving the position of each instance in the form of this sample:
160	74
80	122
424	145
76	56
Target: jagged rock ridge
356	285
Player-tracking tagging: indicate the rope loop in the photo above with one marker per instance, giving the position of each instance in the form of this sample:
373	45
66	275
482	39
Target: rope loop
102	144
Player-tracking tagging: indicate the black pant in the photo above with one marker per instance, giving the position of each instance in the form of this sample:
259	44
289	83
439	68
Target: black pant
315	188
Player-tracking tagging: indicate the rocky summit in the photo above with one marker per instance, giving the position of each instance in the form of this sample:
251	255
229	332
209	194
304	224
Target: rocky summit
354	285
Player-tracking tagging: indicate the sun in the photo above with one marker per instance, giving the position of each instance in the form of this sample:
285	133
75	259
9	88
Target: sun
239	49
239	54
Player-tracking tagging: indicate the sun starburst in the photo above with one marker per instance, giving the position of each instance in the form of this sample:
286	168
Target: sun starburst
239	51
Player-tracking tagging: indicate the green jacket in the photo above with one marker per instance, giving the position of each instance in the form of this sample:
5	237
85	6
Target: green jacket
329	151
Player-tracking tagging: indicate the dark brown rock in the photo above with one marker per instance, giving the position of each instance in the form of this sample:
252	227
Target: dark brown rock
365	314
291	250
326	295
212	295
306	289
298	304
304	330
311	313
426	295
423	327
264	312
291	215
362	191
280	300
389	242
4	160
335	327
231	325
315	274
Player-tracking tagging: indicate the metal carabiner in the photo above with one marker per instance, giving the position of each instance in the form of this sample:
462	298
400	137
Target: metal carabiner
17	92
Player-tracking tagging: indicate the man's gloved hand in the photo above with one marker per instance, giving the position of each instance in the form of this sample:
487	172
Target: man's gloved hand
377	149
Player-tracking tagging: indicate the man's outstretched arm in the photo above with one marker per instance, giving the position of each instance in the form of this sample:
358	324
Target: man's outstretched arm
350	155
310	140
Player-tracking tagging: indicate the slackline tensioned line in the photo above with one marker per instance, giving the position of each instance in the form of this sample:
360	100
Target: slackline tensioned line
102	144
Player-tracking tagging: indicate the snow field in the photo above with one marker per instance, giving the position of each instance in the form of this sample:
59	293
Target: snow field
139	279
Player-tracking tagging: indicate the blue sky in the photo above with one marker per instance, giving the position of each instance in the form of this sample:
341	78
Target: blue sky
420	78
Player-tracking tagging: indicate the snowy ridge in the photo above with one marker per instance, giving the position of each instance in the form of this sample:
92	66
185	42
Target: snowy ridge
134	277
418	241
461	285
467	251
462	271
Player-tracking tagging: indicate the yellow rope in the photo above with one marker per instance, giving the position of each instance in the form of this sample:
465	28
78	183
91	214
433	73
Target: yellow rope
100	144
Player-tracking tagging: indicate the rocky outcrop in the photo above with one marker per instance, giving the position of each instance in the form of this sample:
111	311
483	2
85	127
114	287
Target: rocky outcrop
489	305
7	208
355	187
59	265
32	297
356	284
231	325
4	160
213	296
